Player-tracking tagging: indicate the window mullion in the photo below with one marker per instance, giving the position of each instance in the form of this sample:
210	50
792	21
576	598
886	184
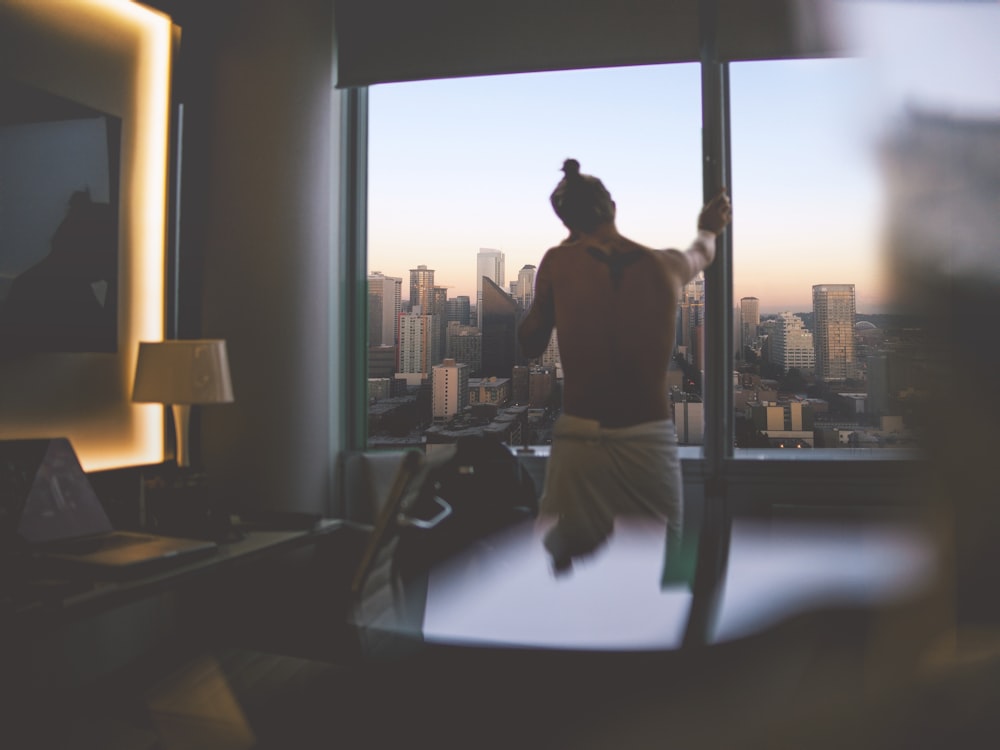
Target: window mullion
713	538
353	299
717	382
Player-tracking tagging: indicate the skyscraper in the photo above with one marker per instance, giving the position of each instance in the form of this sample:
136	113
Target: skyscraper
421	288
465	344
691	321
526	286
439	309
749	322
417	342
384	303
489	263
458	310
499	314
792	345
833	316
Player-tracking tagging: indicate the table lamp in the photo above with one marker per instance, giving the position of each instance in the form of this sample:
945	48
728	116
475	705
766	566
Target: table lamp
182	373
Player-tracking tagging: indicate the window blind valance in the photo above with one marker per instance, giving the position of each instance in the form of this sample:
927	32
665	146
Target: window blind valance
381	41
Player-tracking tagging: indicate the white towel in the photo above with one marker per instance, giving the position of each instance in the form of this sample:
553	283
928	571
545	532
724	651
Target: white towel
595	474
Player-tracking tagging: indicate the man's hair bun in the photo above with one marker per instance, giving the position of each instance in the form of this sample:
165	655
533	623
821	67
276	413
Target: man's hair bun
571	167
581	200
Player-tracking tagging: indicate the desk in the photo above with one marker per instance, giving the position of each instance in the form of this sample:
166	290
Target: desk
69	640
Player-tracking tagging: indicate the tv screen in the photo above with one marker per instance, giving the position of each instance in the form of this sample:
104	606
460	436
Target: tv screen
59	177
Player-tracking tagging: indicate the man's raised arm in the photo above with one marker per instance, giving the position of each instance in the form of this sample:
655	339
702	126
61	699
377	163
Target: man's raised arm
713	219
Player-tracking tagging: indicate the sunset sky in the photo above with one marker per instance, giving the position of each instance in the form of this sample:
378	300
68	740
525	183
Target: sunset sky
463	164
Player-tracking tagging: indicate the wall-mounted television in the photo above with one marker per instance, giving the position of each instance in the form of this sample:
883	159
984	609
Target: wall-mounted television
59	198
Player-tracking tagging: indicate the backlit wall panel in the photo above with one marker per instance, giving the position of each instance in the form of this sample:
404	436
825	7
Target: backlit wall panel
113	55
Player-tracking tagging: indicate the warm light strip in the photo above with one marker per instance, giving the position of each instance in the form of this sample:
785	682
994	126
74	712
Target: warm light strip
148	220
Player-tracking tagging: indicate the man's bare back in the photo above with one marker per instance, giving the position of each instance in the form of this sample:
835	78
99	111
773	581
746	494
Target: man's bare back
614	303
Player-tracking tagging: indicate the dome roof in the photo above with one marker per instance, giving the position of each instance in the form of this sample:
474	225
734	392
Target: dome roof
864	325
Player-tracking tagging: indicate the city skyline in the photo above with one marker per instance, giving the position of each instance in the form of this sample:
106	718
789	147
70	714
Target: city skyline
763	306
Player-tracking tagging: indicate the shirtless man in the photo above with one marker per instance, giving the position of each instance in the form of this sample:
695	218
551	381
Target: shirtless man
614	303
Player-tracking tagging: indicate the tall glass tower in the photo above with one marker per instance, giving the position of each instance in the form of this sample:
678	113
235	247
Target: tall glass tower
489	263
833	320
499	315
749	322
526	286
384	306
422	288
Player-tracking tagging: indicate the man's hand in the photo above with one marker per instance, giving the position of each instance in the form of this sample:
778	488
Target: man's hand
716	214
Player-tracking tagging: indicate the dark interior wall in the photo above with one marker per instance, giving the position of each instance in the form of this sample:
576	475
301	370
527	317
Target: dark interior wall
257	224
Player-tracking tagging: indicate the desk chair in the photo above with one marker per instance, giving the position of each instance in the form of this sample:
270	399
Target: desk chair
387	611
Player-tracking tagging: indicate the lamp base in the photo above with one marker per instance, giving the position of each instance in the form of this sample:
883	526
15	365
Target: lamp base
180	503
182	429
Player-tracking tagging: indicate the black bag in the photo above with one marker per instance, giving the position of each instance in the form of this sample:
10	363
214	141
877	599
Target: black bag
483	489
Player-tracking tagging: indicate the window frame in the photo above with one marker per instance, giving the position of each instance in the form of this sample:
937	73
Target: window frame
717	458
725	480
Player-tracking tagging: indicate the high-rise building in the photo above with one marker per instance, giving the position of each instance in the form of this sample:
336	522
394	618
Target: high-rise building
375	311
439	309
422	288
450	384
765	337
749	321
691	321
417	339
833	322
458	310
792	345
526	286
465	344
384	306
499	329
489	264
735	339
550	357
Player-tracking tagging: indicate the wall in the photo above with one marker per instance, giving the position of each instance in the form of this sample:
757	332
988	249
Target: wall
257	238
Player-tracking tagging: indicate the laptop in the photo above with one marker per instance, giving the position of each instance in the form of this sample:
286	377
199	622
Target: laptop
49	509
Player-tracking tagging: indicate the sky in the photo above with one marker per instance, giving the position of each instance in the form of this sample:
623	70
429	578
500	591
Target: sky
462	164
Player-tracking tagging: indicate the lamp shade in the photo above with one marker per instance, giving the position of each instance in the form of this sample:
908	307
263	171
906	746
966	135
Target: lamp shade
189	371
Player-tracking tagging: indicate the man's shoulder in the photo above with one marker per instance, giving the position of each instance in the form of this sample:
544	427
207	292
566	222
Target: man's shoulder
564	248
673	258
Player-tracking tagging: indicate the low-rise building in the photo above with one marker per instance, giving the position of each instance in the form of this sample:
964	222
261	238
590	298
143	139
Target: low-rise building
491	390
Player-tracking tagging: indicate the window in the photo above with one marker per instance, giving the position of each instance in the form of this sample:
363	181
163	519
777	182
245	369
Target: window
814	331
460	173
463	167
